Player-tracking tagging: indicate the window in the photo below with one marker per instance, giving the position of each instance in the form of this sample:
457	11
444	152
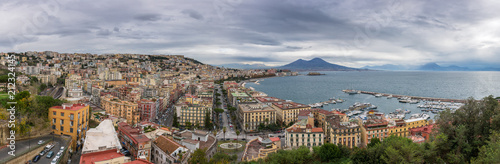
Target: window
53	127
62	128
71	123
62	113
71	130
54	113
54	120
61	121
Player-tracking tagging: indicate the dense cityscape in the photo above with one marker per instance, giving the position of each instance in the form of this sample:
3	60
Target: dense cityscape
249	82
130	108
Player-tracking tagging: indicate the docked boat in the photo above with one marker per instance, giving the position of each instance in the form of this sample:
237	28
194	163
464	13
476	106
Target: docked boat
378	95
352	92
339	100
389	97
420	115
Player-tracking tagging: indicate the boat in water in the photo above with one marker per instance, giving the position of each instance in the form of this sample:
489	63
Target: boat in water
420	115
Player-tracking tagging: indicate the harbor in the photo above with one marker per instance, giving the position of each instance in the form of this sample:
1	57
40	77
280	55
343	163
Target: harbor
405	98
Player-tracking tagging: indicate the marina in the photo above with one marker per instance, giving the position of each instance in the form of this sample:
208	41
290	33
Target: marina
404	98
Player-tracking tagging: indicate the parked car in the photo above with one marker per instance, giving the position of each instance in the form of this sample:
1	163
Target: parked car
50	154
40	142
62	148
54	161
49	146
36	158
43	152
243	139
59	154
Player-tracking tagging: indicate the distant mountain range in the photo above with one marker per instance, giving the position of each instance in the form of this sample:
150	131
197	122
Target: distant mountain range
429	67
316	64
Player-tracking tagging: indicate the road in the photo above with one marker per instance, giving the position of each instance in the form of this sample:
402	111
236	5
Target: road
58	143
231	133
24	145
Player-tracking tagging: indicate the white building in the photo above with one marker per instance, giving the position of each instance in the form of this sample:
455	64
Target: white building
167	151
101	138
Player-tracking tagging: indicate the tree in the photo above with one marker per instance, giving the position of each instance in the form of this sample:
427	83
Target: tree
401	150
296	156
490	153
218	110
224	130
467	129
373	142
237	134
214	132
42	87
208	121
197	124
246	129
329	152
175	121
232	109
218	103
198	157
220	157
188	125
33	79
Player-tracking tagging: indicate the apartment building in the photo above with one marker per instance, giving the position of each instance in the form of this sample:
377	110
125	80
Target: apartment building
252	115
341	131
72	120
287	112
122	109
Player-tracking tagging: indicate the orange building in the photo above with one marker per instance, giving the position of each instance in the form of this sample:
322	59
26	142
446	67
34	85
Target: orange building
72	120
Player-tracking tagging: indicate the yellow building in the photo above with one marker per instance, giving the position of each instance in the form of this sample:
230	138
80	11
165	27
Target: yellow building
287	112
255	114
122	109
70	119
402	127
193	109
340	131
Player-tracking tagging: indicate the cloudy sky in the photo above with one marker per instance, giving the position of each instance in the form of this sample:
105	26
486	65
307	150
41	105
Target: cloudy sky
351	33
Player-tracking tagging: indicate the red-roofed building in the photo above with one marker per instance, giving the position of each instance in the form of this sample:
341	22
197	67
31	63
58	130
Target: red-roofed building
137	143
423	131
139	161
107	156
374	128
297	136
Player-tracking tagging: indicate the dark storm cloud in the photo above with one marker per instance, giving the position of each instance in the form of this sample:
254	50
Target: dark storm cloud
148	17
361	32
193	14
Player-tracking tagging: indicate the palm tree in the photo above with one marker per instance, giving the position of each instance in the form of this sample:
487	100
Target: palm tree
237	134
224	130
214	132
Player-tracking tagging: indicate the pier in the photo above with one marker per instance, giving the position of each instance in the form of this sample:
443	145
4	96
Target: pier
412	97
